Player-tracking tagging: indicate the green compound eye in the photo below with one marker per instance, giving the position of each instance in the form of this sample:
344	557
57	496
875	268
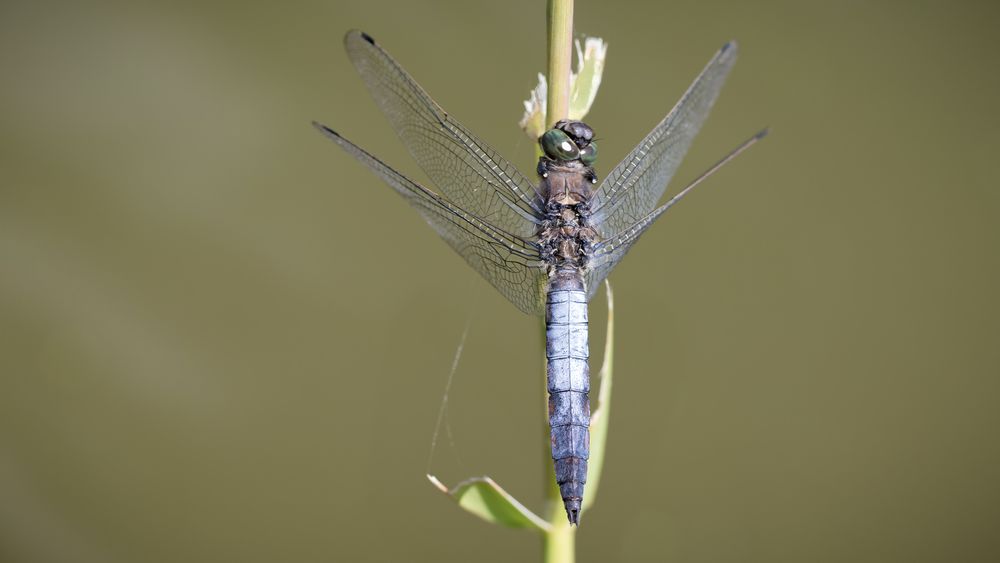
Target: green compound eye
558	146
589	154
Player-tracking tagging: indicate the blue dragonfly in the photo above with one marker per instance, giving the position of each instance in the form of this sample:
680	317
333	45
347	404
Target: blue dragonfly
545	245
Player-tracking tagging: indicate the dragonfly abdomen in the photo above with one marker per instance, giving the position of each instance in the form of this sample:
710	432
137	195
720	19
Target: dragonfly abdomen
567	353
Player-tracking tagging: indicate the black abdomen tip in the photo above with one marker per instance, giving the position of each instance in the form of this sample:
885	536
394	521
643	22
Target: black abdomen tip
572	510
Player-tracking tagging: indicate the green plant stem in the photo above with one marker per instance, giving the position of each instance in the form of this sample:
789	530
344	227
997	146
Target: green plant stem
560	23
558	544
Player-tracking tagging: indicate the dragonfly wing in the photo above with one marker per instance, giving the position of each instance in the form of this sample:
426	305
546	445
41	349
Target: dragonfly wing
466	170
510	263
633	188
607	253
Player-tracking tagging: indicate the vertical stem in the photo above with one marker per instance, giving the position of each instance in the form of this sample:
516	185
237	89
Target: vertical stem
559	543
560	21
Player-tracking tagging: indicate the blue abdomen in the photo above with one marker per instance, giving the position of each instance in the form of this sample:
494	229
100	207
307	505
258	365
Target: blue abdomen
568	372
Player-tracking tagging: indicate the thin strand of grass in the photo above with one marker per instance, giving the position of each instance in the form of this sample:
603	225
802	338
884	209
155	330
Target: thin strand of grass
443	410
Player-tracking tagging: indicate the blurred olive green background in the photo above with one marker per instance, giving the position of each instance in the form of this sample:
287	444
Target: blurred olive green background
222	339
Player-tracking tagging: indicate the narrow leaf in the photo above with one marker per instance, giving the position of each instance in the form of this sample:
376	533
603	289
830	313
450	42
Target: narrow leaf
587	79
601	413
484	498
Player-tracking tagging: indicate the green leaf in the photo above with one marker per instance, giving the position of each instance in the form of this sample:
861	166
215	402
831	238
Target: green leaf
484	498
601	414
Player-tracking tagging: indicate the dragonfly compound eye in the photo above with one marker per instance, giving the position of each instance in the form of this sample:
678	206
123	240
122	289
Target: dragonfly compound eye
558	146
589	154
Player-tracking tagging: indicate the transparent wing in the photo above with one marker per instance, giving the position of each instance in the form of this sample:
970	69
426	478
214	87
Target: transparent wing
634	187
466	171
606	253
509	262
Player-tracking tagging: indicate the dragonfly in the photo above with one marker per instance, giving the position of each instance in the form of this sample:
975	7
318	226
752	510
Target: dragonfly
545	245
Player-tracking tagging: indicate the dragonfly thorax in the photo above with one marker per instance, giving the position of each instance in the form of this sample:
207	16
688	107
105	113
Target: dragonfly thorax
565	235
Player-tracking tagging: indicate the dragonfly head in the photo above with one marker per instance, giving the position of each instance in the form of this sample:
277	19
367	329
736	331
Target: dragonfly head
568	141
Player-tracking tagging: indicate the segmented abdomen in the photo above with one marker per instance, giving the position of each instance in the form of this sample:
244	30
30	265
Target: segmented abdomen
568	372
